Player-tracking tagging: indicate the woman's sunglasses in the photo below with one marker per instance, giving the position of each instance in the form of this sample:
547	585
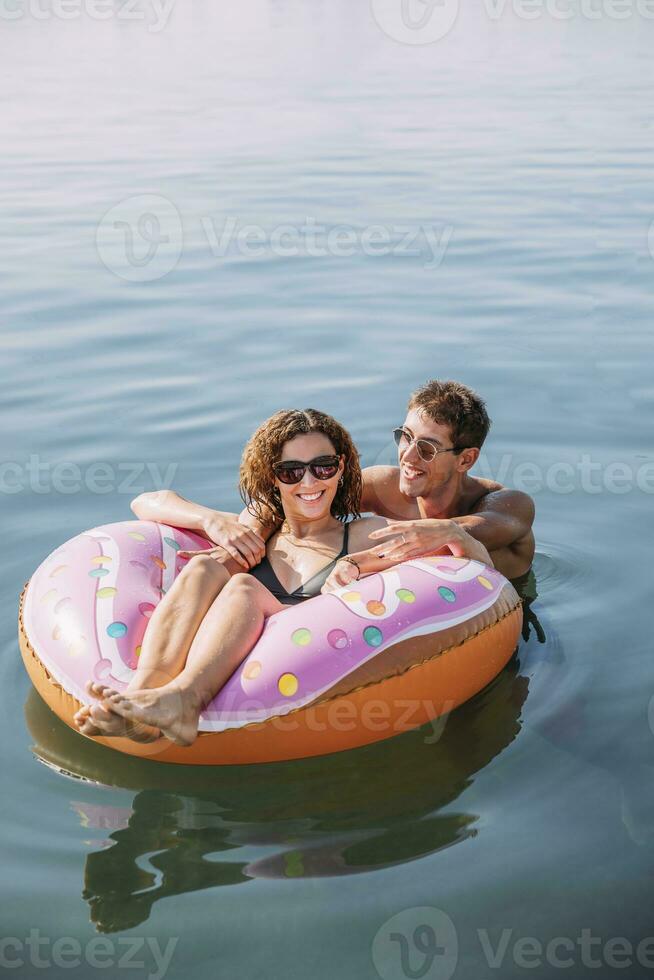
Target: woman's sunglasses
292	471
426	450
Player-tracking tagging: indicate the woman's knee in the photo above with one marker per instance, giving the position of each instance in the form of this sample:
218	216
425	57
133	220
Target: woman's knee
253	593
244	583
203	568
243	580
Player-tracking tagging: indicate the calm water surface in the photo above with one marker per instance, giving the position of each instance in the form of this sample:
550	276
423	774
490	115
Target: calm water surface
526	149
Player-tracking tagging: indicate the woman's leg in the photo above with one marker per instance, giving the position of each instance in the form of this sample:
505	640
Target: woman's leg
166	643
225	637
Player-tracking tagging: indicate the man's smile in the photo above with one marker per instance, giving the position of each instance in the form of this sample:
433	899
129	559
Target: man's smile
411	472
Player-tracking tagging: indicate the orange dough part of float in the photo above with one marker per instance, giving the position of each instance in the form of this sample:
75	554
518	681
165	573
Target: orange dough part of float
335	672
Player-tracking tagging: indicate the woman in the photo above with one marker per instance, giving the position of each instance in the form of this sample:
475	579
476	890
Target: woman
299	467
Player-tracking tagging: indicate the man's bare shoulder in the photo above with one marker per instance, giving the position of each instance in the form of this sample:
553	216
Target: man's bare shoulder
381	493
486	486
500	498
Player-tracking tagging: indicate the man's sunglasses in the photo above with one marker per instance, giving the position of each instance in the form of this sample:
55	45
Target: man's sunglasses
426	450
292	471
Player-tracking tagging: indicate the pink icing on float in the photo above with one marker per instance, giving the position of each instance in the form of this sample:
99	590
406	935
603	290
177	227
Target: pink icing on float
86	609
301	653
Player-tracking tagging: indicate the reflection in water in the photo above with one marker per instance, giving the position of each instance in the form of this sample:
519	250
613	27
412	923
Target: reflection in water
192	828
526	587
342	814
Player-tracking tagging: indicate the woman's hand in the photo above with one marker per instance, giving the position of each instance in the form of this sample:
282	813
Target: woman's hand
412	539
239	541
343	573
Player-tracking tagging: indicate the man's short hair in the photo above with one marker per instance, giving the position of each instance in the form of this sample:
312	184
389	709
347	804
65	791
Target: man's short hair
454	404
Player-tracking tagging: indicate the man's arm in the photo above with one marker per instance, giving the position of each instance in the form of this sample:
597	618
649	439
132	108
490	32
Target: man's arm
500	519
402	537
501	527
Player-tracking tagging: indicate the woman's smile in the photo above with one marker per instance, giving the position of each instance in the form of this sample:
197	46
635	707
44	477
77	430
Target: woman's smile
310	497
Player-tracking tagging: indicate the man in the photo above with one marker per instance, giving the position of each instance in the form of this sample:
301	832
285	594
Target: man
430	498
430	495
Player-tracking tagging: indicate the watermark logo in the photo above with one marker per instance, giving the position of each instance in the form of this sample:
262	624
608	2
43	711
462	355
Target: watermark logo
415	21
419	943
141	238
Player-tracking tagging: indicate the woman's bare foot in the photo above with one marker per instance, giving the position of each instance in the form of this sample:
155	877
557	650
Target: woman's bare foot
166	708
114	725
83	723
99	719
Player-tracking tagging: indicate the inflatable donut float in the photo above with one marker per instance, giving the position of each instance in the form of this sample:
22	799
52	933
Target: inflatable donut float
387	654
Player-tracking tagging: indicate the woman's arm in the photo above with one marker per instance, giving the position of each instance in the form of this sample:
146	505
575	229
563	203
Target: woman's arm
241	538
454	540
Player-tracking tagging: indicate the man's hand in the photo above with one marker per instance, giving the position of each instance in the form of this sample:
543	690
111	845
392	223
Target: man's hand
218	554
413	539
239	541
343	573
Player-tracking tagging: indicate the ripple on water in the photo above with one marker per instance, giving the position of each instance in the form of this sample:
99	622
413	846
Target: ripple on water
562	566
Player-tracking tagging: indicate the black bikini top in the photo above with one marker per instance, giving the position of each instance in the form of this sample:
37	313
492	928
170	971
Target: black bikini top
265	574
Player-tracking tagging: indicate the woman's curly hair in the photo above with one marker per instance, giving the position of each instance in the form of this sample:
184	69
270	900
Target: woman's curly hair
256	477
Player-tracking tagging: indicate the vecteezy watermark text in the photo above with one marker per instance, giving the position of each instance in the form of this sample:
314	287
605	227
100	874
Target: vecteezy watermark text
579	474
585	474
383	717
424	942
141	239
315	240
99	953
426	21
65	477
378	715
568	9
155	14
